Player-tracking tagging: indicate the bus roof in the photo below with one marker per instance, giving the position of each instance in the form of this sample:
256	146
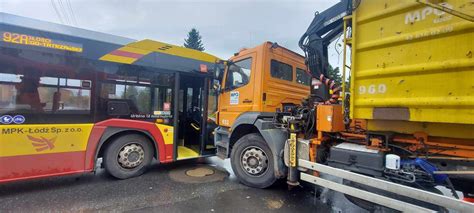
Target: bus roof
21	21
61	39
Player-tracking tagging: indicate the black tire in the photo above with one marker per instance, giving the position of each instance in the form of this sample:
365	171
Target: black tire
111	156
266	177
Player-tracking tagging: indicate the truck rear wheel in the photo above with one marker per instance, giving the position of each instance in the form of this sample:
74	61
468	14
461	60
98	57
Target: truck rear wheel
128	156
252	161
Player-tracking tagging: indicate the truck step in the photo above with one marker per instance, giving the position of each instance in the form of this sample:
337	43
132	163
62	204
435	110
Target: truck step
221	152
221	141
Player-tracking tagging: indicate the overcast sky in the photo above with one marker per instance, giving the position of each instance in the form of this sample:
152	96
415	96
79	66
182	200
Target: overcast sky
225	25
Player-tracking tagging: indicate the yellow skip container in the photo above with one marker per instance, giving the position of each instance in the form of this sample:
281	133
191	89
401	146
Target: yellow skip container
413	66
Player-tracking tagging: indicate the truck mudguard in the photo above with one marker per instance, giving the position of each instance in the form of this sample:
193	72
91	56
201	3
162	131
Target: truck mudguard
274	137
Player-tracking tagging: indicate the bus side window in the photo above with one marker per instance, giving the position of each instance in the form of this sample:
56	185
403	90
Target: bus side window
56	100
9	93
137	97
64	95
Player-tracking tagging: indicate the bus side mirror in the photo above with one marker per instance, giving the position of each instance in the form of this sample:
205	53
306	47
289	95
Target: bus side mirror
217	73
216	84
219	69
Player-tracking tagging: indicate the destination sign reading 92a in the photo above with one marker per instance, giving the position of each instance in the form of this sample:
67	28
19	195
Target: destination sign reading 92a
17	38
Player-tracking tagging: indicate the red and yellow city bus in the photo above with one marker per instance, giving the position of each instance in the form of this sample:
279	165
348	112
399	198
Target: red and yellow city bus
70	96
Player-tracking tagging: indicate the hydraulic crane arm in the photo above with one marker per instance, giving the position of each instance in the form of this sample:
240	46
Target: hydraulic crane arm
325	27
328	25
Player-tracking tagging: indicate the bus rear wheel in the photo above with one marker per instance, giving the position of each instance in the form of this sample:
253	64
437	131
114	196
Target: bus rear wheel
252	161
128	156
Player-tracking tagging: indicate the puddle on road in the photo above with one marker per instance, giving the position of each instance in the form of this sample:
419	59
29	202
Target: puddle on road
198	173
274	204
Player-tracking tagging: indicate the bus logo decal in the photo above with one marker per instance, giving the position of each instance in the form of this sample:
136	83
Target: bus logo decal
42	143
19	119
6	119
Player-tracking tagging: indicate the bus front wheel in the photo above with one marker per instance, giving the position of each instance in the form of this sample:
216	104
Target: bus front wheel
252	161
128	156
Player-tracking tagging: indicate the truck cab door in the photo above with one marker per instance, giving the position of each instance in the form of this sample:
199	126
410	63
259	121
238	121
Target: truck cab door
238	89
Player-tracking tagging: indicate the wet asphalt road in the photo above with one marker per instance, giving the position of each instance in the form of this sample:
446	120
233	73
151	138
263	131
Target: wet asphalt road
155	191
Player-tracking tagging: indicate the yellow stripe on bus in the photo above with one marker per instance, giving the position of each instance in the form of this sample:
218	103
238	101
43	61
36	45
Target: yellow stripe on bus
170	49
18	140
118	59
135	50
167	132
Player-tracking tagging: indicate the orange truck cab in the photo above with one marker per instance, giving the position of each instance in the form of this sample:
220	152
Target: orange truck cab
256	83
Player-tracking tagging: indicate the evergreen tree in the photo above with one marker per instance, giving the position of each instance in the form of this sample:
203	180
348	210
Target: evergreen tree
194	40
335	74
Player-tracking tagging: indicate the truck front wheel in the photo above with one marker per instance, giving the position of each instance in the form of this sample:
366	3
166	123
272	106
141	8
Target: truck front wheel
252	161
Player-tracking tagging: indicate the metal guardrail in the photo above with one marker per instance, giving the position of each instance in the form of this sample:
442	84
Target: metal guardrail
399	189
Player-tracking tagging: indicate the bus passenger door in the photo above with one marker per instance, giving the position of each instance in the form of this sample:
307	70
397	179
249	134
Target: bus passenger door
238	91
190	112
